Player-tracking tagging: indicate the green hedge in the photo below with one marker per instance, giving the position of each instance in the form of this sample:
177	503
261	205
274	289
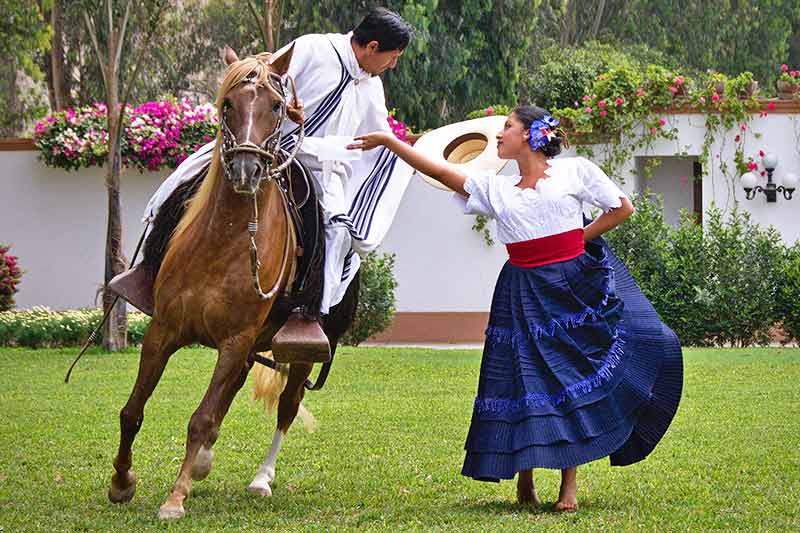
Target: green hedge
729	284
41	327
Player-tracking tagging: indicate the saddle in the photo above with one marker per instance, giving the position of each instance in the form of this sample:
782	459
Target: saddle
136	285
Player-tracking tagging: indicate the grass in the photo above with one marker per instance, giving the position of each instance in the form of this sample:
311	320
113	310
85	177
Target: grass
387	453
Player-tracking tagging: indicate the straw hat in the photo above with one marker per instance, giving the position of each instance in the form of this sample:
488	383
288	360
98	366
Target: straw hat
469	145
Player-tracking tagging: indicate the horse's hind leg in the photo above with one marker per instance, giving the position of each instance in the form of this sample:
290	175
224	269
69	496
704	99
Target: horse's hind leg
206	420
287	410
203	462
156	351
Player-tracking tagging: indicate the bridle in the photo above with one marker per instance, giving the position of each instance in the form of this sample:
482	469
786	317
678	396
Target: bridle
270	153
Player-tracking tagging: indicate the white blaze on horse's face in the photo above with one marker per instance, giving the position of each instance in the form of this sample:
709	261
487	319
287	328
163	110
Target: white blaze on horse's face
252	114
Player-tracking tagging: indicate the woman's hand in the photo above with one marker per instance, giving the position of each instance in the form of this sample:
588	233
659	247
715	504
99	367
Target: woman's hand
371	140
295	111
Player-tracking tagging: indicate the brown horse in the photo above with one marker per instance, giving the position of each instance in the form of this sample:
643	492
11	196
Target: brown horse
204	290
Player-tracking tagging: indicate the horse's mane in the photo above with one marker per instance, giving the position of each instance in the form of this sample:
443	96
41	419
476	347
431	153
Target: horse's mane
258	65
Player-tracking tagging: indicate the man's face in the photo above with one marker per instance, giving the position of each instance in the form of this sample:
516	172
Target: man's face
376	62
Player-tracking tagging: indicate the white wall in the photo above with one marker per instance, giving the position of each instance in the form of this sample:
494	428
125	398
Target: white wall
56	221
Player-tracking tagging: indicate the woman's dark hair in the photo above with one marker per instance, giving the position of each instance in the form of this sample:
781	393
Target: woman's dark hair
386	27
527	114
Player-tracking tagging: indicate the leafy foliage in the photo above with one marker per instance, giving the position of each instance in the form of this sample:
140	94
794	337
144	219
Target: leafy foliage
10	275
376	301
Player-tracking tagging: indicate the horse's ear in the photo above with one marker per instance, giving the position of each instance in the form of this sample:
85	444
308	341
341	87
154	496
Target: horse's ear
280	64
229	55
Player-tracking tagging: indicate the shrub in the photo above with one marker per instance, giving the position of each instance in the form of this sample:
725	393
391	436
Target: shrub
41	327
376	301
789	294
745	263
10	275
496	109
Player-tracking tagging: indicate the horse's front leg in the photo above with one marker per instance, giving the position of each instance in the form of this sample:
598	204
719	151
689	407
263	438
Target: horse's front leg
157	347
289	403
206	420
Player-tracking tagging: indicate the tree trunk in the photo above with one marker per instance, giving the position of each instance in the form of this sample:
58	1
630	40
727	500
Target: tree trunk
568	24
60	86
269	33
598	17
116	329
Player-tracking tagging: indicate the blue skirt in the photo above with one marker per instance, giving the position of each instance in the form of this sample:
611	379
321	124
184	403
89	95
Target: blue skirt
576	366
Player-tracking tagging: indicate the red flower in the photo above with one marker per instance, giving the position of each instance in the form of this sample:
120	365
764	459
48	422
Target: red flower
661	122
619	101
761	153
715	97
737	138
490	110
601	104
752	166
602	113
653	130
763	172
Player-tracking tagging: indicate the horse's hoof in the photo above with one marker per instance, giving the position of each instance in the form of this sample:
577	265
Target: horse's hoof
262	489
171	512
122	490
202	464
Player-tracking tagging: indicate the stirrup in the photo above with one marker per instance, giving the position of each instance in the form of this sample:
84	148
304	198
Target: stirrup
136	287
301	340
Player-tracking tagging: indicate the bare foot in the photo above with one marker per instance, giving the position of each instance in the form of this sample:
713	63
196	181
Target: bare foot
526	492
567	494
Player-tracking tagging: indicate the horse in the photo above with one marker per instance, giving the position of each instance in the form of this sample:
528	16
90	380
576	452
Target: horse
208	286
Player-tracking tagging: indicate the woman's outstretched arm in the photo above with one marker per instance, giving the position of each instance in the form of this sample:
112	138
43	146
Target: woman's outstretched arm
437	170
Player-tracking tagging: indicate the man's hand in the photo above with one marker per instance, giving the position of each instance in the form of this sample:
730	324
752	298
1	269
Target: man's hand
296	112
371	140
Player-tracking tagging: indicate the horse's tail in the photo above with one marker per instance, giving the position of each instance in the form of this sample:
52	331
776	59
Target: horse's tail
268	386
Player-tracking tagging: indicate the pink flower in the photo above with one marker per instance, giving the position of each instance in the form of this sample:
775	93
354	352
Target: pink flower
601	77
784	67
602	113
490	110
702	99
654	130
661	122
673	90
586	98
619	101
752	166
761	153
601	104
763	172
771	106
793	74
737	138
678	80
743	127
715	97
588	109
640	92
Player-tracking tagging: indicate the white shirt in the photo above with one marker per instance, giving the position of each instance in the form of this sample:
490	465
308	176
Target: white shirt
554	206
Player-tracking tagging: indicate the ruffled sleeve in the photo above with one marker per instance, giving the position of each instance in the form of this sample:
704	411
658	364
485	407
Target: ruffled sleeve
479	186
596	187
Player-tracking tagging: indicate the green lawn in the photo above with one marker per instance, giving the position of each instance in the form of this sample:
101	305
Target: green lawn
387	452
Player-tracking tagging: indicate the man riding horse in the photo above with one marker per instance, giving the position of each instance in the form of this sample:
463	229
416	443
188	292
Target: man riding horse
338	95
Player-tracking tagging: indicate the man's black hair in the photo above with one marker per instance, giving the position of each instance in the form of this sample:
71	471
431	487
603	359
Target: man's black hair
386	27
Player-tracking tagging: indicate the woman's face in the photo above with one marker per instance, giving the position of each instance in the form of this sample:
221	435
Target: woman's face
512	139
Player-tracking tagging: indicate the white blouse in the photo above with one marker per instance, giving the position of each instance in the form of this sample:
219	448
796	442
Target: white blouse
553	207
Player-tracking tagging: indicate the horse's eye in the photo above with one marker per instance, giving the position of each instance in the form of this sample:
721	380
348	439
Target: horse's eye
276	107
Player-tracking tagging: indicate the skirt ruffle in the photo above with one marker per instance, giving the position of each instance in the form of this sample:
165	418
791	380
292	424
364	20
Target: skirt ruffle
576	366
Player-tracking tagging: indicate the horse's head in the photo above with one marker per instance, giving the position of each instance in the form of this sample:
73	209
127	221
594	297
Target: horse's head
252	108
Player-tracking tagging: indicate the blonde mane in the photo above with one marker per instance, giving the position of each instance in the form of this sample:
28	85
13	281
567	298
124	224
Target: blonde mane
235	74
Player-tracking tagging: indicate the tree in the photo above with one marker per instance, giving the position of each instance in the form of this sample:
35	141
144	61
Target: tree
114	25
25	36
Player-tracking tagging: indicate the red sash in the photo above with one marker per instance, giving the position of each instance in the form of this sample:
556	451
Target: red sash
545	250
